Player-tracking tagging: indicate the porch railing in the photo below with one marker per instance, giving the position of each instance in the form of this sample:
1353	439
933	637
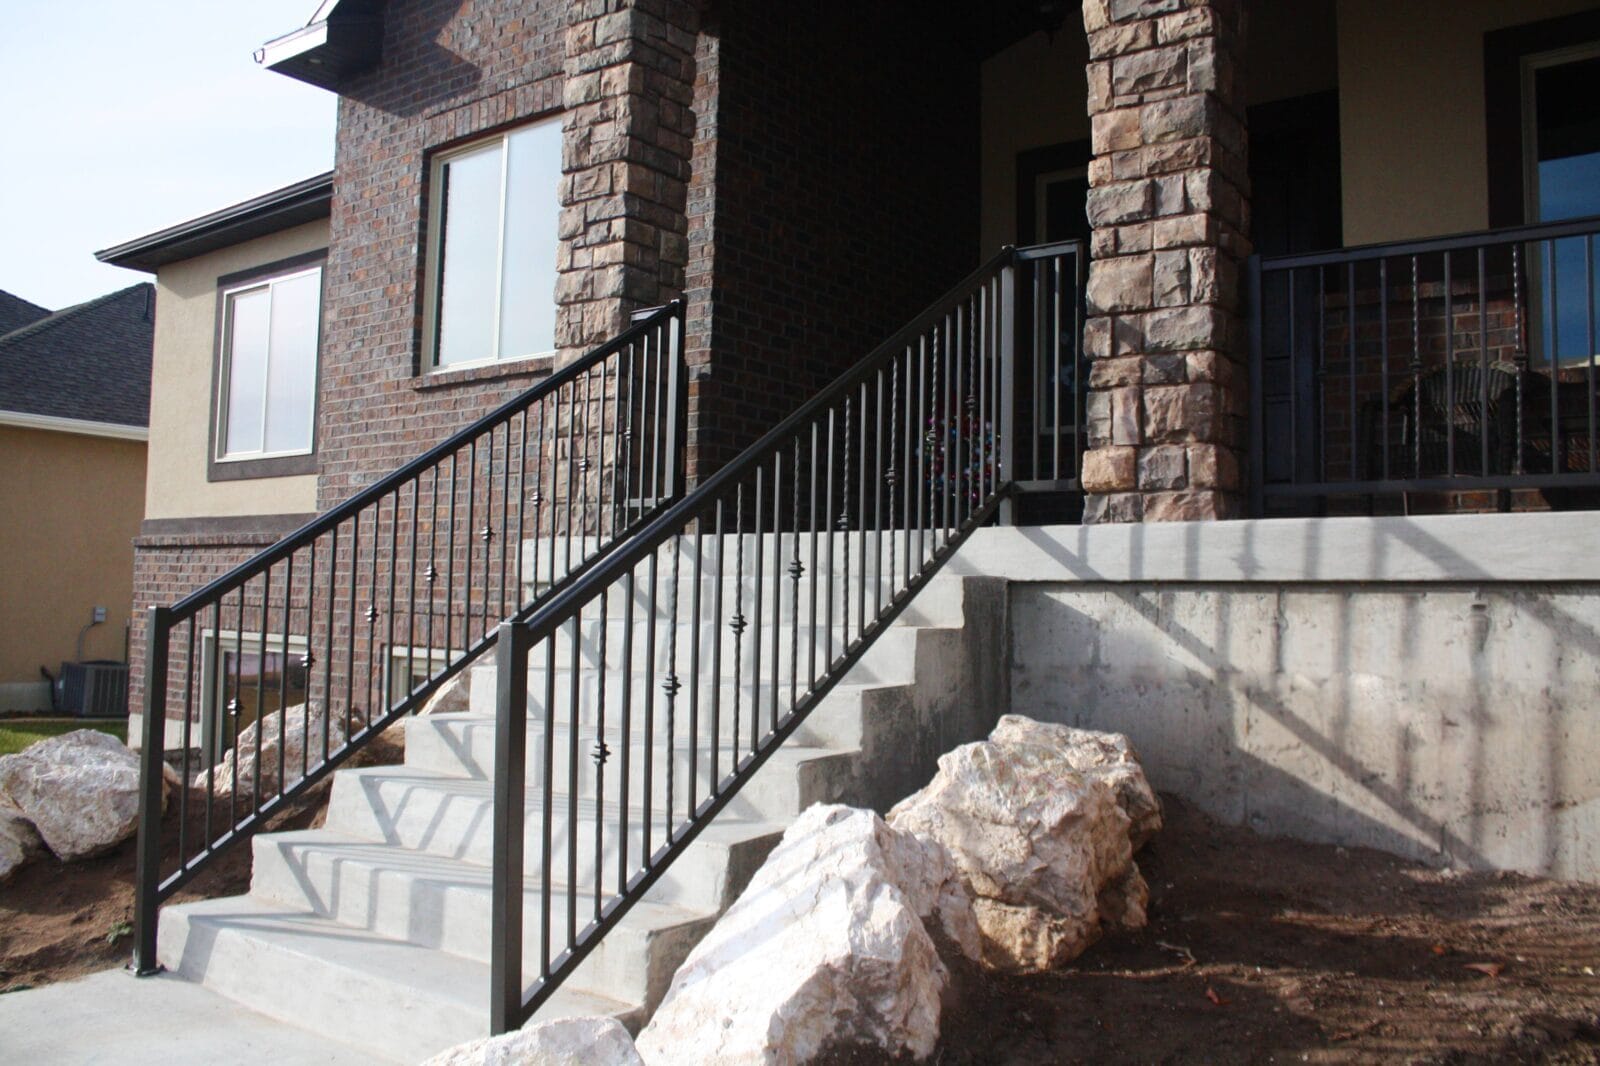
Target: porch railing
686	657
1458	365
289	664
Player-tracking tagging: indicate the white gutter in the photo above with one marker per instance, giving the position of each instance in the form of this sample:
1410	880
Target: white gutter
82	427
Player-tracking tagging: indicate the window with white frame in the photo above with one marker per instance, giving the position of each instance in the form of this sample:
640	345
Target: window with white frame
492	247
269	370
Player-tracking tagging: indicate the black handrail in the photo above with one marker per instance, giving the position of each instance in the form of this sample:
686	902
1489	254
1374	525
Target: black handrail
905	468
580	461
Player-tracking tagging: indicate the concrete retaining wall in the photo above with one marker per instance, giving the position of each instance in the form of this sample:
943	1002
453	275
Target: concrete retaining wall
1427	686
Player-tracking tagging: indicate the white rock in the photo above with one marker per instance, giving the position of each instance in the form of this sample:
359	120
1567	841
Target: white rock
19	841
452	697
826	946
1108	756
297	723
1042	846
560	1042
80	791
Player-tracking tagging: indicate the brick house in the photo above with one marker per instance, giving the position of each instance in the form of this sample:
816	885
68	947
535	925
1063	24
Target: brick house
1329	263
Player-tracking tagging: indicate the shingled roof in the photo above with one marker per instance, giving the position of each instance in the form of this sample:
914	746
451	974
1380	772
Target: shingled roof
15	312
89	362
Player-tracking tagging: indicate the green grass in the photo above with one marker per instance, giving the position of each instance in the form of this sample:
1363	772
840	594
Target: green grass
18	733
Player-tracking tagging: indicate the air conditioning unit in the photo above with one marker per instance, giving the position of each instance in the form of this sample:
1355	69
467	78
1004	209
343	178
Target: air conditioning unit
94	689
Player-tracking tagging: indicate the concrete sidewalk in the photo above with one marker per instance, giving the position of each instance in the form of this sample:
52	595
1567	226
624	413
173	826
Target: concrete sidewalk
113	1017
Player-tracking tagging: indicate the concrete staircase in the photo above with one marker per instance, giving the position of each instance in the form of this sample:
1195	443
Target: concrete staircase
374	930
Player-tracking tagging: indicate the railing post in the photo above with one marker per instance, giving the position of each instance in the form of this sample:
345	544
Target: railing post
1008	390
1257	473
510	780
148	873
678	404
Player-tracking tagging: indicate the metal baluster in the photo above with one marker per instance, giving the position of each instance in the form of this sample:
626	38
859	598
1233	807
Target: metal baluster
880	483
537	499
1557	463
431	574
449	564
1383	364
670	685
811	622
1350	298
828	532
694	667
327	645
755	611
1589	345
566	461
188	714
600	755
796	573
283	668
522	499
1449	372
472	505
1521	353
583	471
385	672
547	803
625	777
1416	370
411	605
1055	366
647	822
738	622
923	459
209	735
777	563
574	787
890	477
505	518
309	660
716	667
1483	365
261	692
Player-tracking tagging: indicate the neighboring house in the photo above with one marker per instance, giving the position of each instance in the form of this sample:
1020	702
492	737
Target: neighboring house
1200	325
74	402
234	405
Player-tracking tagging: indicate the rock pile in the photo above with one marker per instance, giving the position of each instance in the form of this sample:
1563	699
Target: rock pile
287	730
1041	820
827	944
78	793
561	1042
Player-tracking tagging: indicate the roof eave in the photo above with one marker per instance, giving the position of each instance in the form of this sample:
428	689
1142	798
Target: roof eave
293	205
346	42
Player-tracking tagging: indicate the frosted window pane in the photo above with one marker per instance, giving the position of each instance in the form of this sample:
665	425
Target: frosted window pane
292	371
469	256
533	203
247	370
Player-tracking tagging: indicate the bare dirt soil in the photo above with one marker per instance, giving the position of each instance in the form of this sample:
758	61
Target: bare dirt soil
64	920
1262	950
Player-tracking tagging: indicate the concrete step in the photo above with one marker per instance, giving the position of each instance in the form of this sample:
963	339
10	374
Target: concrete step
453	817
404	1000
890	660
443	903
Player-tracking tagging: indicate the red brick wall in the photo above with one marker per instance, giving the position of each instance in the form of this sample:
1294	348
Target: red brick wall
844	147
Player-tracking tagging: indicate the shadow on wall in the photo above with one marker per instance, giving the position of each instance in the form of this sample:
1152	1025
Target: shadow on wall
1449	721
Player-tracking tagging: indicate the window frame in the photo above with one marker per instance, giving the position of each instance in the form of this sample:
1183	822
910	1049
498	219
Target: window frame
220	467
213	644
433	251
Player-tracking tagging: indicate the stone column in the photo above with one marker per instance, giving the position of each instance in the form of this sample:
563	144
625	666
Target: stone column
628	135
1169	209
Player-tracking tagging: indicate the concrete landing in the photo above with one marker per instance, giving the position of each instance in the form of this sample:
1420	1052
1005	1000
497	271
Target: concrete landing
114	1017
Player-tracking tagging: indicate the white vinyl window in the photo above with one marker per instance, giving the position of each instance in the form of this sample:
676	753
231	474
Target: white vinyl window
269	369
492	248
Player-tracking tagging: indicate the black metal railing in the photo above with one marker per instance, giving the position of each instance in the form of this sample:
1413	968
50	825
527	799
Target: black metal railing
1458	365
289	664
653	688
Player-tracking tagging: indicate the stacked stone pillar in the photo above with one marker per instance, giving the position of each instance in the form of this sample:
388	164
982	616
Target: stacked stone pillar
627	140
1169	208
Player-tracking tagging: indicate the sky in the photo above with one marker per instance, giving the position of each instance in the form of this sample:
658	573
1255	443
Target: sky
122	117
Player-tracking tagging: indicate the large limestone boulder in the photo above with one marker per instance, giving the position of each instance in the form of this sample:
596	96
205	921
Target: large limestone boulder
80	791
827	946
288	730
1043	845
1108	757
19	841
561	1042
452	697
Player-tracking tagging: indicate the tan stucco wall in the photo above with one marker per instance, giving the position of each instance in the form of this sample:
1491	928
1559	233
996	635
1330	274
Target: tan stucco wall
1034	93
180	393
1411	112
72	508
